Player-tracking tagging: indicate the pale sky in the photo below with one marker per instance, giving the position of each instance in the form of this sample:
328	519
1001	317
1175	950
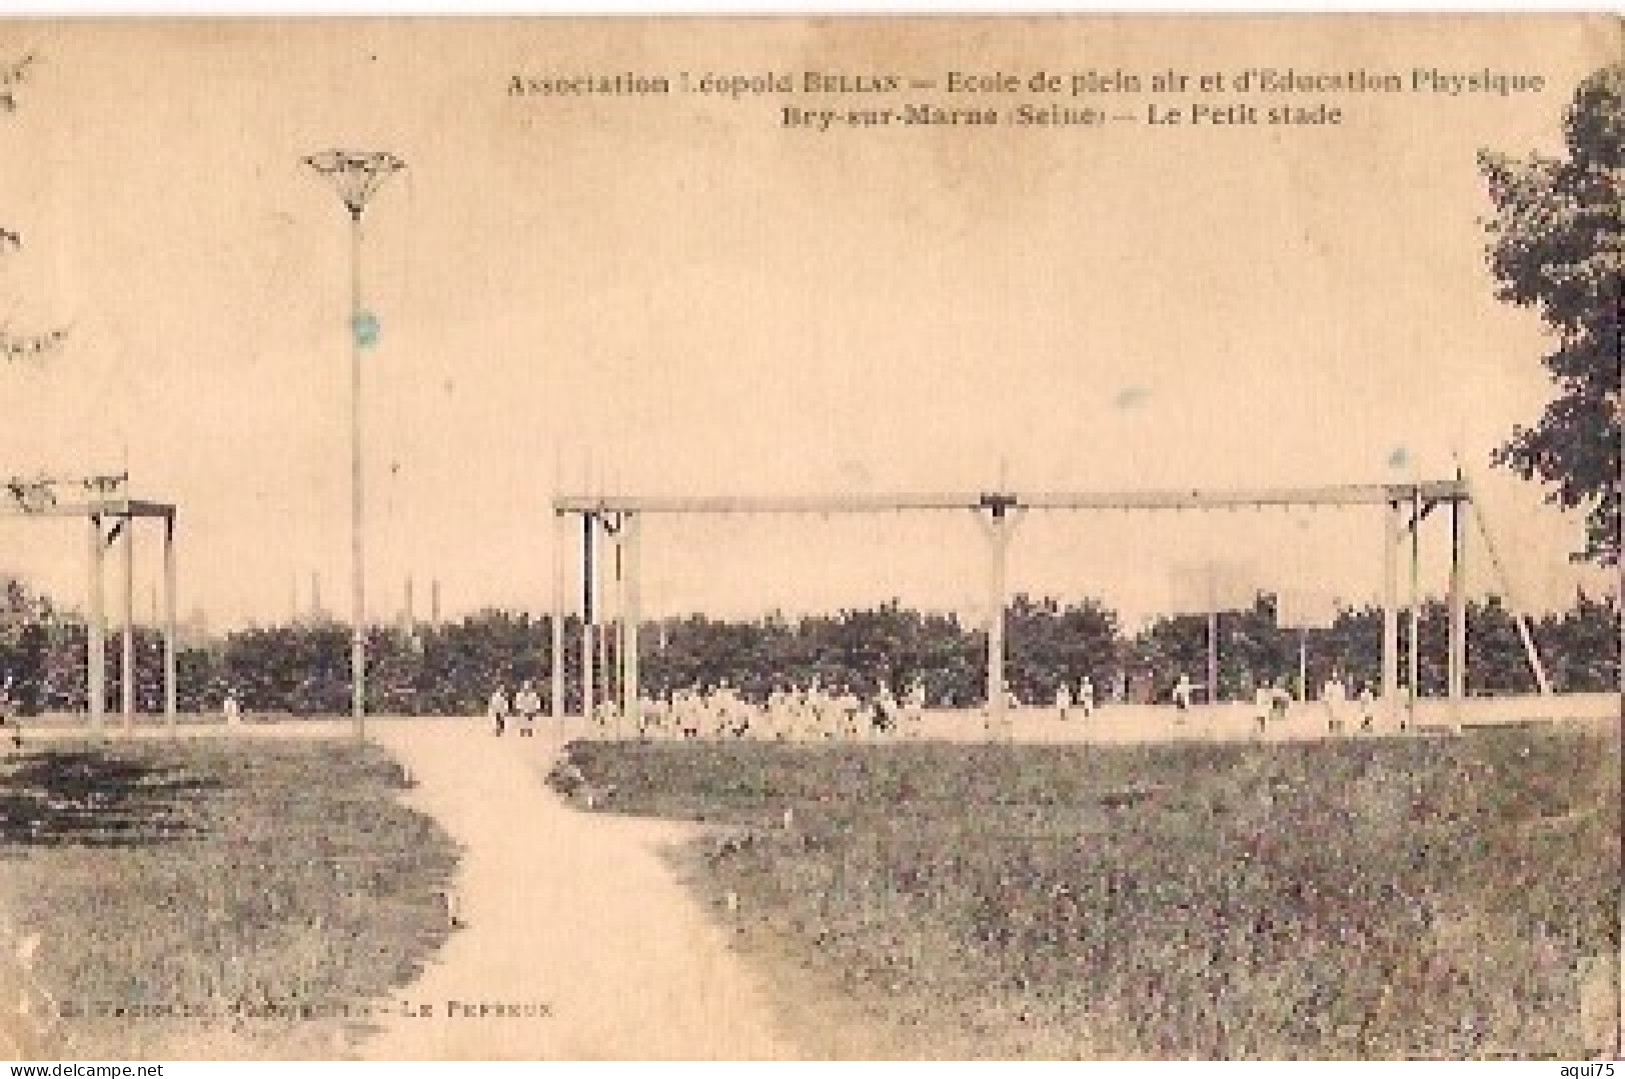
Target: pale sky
678	295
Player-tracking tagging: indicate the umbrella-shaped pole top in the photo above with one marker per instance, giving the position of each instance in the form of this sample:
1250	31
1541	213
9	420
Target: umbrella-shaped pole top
356	174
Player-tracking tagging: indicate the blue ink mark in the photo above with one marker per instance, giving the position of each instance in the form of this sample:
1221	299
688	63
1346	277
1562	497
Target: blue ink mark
365	326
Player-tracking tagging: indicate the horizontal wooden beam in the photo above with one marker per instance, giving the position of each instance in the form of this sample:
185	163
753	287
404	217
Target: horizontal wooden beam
811	504
1371	494
110	507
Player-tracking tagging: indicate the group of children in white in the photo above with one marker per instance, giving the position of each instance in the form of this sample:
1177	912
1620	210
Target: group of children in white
523	709
722	712
1272	703
792	712
814	712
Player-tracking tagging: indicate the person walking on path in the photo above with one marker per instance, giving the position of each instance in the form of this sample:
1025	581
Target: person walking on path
529	705
497	709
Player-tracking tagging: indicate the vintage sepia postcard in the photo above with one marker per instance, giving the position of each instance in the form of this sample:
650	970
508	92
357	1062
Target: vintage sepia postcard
789	537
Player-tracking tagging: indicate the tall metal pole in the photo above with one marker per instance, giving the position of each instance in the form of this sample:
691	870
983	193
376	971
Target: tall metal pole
358	569
358	177
169	622
127	628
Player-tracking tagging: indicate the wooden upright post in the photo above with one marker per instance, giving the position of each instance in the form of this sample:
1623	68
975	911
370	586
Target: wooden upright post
631	597
1415	641
170	676
127	641
1520	619
614	622
1303	663
589	657
1458	615
996	700
999	527
555	653
1390	612
1213	650
95	645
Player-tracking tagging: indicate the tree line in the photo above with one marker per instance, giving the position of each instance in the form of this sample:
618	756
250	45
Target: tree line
450	669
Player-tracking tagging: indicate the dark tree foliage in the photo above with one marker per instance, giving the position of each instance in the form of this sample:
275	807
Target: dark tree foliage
1558	245
1050	646
450	669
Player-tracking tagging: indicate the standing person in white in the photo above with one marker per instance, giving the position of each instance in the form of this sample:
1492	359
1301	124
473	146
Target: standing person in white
1334	695
528	704
497	709
1182	697
1263	705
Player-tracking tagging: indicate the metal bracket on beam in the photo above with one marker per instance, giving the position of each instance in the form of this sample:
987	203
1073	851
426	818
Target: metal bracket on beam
998	503
1427	508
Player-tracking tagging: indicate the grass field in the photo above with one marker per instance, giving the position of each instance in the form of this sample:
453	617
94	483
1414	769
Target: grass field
210	897
1428	897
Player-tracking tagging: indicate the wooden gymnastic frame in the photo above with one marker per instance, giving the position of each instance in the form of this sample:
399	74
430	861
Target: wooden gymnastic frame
111	515
1405	505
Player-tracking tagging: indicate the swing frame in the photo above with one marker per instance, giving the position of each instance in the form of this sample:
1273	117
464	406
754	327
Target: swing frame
1405	505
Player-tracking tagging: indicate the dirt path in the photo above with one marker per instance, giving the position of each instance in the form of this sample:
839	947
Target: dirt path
572	915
